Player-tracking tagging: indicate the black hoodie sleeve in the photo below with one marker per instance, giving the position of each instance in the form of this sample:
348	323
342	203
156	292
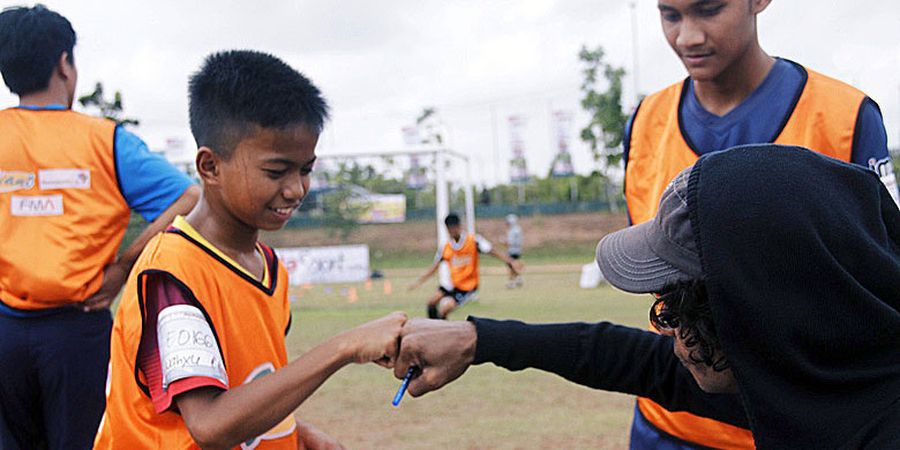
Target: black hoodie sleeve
603	356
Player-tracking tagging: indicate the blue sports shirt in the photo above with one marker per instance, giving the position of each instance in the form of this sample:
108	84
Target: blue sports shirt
149	183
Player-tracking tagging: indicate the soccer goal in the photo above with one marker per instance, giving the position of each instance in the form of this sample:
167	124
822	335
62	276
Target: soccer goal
425	169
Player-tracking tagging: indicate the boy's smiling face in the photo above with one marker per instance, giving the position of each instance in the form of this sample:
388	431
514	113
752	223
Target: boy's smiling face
709	36
267	176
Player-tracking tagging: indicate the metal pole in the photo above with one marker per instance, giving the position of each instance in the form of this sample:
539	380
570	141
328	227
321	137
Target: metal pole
634	53
470	200
496	145
442	204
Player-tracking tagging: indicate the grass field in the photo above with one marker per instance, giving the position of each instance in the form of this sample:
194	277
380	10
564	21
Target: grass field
488	407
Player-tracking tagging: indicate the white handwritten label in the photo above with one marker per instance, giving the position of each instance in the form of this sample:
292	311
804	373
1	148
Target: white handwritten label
36	205
187	346
14	181
64	179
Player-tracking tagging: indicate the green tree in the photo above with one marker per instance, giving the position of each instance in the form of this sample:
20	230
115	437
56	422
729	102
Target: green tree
342	213
429	126
606	128
111	109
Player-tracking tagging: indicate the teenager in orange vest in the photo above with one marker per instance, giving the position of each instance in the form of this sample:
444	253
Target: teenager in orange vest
68	185
198	348
735	94
461	253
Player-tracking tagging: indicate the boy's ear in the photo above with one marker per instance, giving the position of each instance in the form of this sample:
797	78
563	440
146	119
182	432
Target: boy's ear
759	6
65	69
208	166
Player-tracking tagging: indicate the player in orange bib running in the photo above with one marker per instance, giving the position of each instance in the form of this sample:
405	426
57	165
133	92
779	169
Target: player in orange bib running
198	356
461	254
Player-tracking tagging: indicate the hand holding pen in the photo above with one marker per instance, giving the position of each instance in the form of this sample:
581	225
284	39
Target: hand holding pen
432	354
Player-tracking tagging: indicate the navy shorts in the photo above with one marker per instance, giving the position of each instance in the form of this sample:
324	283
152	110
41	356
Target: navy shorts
53	378
459	296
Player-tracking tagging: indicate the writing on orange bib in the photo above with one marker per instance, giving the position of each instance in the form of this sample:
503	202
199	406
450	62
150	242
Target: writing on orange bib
248	318
823	119
62	214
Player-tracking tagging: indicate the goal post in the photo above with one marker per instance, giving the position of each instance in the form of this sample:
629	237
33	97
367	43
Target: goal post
447	165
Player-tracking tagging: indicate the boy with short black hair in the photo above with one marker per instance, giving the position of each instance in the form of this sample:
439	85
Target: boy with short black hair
198	353
461	254
68	186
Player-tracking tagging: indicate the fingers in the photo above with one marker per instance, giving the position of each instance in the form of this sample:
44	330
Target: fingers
394	323
430	379
385	362
96	303
407	357
409	353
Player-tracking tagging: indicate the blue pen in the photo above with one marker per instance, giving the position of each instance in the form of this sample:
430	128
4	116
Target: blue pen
404	385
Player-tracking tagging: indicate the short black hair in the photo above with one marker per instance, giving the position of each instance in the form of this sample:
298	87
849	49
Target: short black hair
236	90
452	219
686	305
31	41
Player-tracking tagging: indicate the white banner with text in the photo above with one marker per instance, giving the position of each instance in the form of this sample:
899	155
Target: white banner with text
319	265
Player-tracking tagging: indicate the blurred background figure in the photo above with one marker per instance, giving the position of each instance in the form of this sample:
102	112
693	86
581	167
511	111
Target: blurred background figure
514	248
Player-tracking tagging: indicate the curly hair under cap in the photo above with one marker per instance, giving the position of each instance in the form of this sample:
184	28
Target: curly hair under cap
685	308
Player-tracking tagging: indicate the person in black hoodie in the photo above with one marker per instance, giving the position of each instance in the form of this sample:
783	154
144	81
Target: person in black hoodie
776	273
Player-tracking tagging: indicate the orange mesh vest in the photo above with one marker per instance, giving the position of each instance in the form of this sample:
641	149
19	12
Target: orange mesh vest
62	216
463	263
248	319
823	119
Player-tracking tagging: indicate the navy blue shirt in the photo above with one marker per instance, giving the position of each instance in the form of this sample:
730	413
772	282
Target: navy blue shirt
759	119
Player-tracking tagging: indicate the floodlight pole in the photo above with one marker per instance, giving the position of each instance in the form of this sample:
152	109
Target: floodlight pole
470	200
442	203
634	52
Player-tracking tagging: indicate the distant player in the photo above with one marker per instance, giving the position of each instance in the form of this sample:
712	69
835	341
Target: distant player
461	253
513	248
198	348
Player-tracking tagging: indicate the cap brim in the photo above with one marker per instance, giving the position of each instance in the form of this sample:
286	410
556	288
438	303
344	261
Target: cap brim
630	264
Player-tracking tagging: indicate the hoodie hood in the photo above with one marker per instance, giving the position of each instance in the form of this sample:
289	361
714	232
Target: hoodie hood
801	255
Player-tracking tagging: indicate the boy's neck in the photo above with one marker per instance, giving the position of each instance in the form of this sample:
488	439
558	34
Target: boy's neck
55	94
223	230
728	90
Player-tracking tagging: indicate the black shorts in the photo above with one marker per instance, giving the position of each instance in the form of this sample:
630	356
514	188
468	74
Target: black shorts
458	295
515	255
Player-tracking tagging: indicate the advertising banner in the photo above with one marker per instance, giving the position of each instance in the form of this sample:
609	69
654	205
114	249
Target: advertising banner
381	208
320	265
518	166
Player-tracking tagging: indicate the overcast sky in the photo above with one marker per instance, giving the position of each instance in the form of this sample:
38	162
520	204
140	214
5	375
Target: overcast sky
479	62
